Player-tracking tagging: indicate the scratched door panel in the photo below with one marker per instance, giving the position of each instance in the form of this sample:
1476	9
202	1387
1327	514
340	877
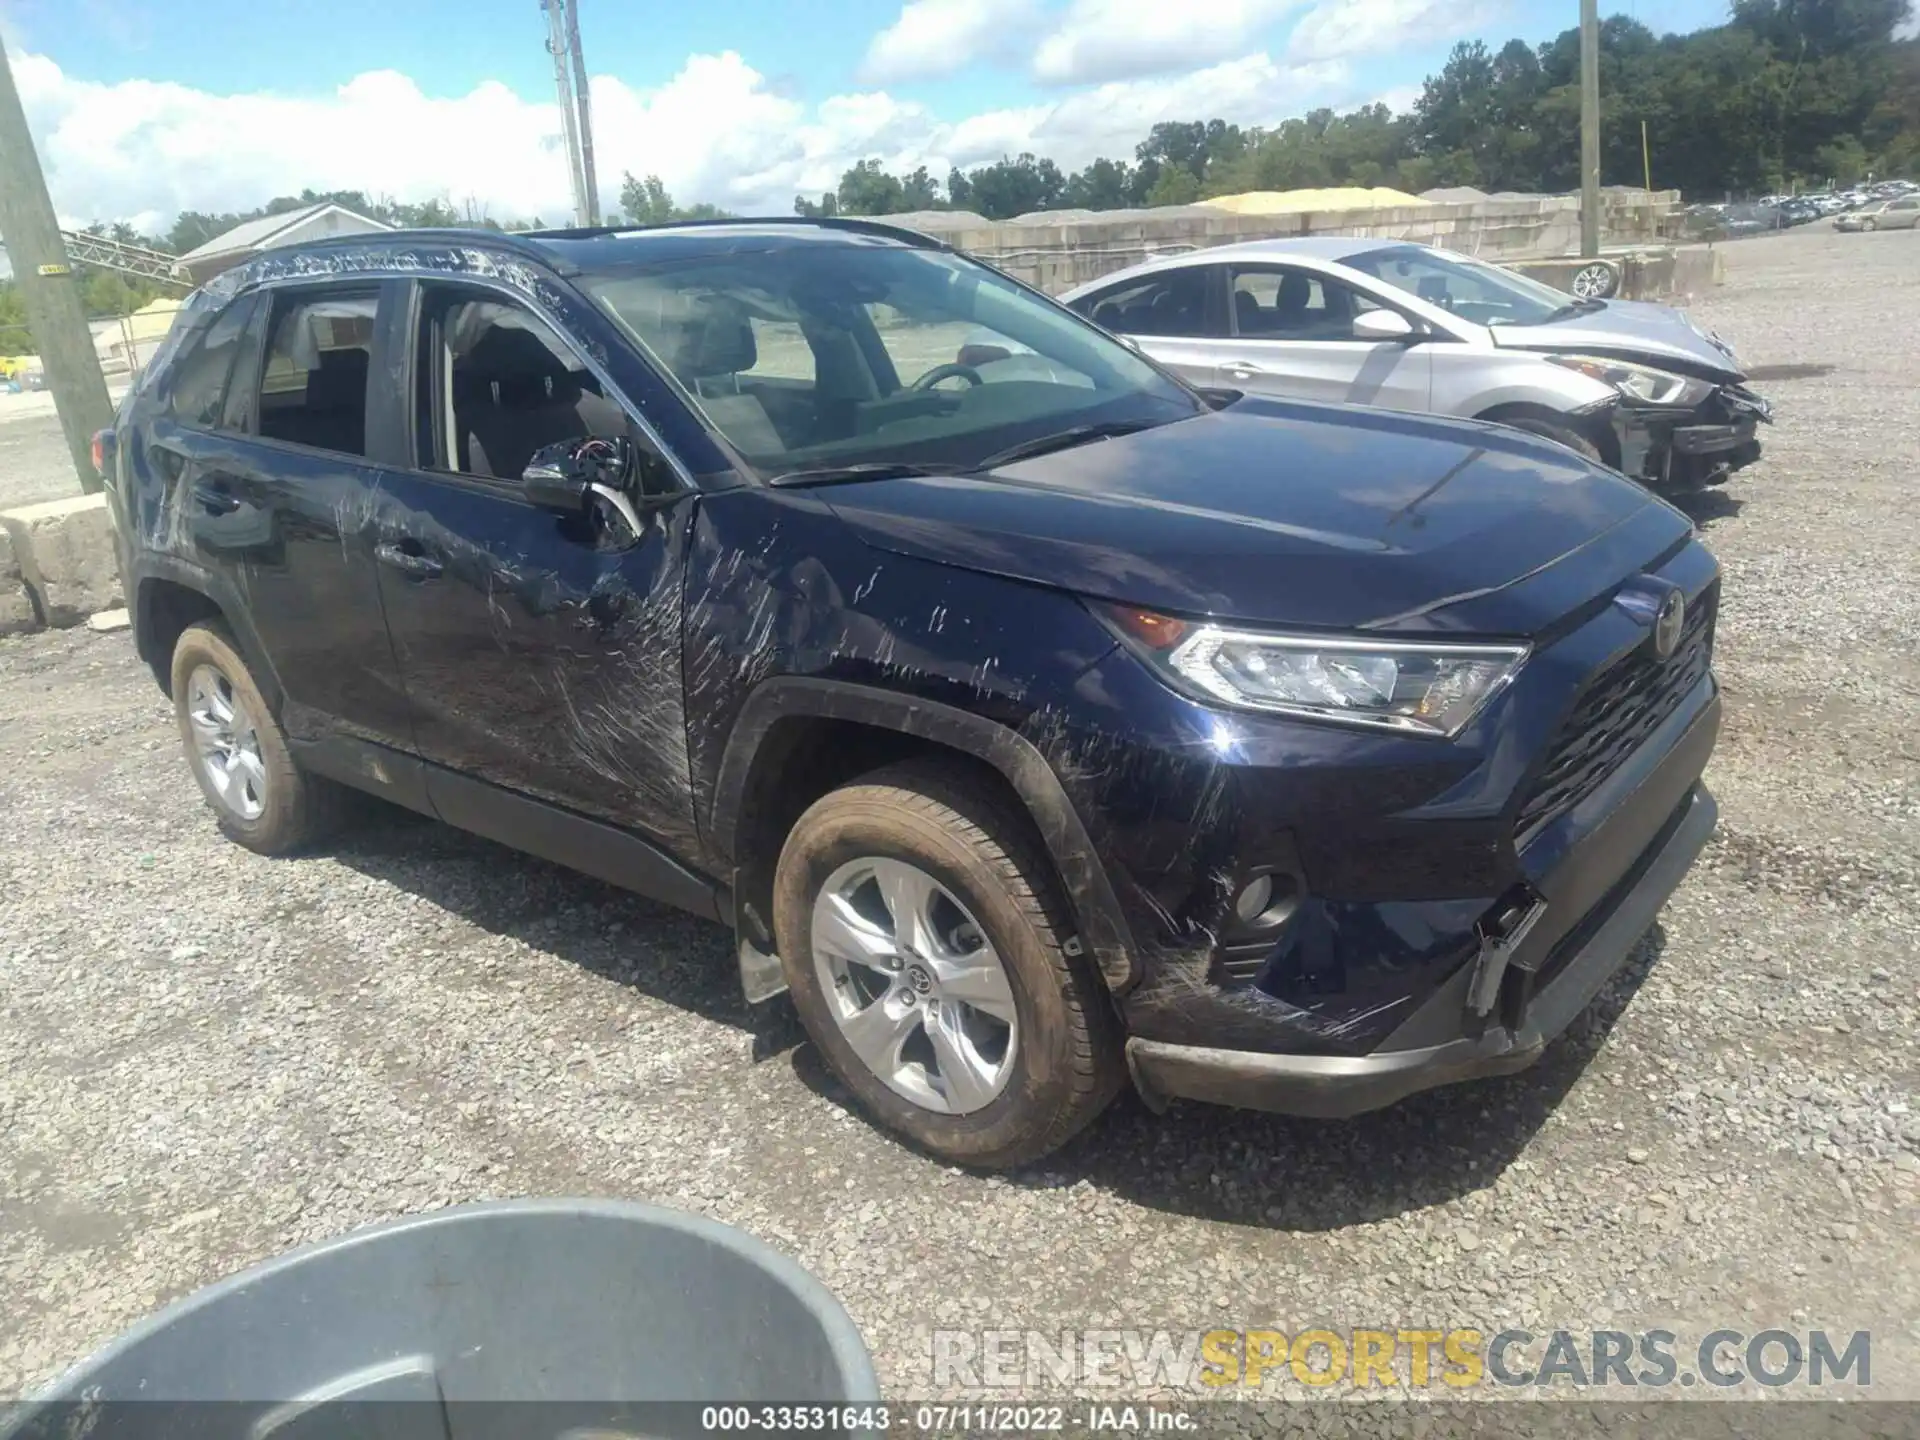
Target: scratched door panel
538	655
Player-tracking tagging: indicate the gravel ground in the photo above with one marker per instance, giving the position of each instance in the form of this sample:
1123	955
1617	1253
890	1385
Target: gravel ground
213	1057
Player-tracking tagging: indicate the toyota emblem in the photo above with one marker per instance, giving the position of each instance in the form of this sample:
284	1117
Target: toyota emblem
1667	625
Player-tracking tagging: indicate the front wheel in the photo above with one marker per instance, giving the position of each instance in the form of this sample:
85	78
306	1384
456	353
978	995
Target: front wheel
1563	434
1868	225
924	945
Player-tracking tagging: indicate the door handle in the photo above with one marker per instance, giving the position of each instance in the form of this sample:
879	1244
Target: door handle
215	498
1241	367
421	567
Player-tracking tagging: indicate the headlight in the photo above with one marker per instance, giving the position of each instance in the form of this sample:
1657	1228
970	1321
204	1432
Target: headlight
1639	382
1424	689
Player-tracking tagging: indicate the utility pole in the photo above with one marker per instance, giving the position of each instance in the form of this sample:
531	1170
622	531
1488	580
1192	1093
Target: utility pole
46	280
584	100
563	88
1589	128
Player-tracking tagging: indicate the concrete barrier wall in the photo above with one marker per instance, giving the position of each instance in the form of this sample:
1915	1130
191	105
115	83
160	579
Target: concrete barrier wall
1054	258
57	564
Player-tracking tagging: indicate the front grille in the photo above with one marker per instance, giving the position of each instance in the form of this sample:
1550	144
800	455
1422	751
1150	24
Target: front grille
1625	704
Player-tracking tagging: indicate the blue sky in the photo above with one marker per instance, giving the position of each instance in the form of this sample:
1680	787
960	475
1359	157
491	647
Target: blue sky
143	107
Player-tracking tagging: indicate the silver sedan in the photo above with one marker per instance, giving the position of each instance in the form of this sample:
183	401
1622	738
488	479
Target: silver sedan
1354	320
1900	213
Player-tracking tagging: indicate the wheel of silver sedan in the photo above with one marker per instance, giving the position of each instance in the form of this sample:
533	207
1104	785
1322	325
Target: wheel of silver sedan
914	986
226	743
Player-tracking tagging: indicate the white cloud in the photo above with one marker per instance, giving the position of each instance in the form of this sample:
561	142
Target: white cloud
1337	28
1124	39
938	37
143	151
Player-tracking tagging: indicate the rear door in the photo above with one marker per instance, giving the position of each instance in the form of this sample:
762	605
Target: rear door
541	652
264	451
1173	315
1293	336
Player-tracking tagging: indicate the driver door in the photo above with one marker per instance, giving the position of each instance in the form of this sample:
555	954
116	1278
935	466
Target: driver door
1293	336
540	652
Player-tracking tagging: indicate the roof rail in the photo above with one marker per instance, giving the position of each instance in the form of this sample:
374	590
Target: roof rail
447	234
855	224
526	242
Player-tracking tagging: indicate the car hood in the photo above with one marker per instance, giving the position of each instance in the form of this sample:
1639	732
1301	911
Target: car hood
1631	330
1282	513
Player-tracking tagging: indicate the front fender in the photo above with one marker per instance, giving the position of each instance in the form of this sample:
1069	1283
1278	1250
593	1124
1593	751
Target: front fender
1103	930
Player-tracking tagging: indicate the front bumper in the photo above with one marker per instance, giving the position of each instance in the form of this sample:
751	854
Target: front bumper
1541	989
1694	447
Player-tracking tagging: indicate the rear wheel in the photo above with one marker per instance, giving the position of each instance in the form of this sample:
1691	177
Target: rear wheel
923	944
238	753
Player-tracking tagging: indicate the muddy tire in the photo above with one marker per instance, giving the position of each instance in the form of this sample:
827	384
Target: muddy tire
238	752
924	869
1563	434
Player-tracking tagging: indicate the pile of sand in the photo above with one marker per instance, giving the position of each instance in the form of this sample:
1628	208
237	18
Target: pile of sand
1290	202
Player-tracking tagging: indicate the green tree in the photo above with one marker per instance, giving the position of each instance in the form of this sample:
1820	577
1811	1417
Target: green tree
646	202
866	189
1176	186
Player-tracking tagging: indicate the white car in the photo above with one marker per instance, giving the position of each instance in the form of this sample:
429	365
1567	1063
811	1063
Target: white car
1408	327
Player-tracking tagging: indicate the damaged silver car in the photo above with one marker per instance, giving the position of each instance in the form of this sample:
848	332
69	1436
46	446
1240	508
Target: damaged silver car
1350	319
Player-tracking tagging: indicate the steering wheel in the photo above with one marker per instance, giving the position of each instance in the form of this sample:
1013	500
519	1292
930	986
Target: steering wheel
947	372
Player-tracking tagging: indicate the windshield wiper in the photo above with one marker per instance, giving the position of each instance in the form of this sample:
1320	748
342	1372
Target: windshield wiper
869	470
1573	307
1063	440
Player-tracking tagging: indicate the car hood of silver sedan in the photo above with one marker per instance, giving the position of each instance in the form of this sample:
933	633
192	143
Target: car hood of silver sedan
1630	330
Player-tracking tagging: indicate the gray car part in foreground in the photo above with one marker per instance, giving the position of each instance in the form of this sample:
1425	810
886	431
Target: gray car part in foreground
1355	320
433	1325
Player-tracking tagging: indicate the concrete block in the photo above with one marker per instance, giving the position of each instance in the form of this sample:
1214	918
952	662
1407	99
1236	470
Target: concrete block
65	552
16	605
106	621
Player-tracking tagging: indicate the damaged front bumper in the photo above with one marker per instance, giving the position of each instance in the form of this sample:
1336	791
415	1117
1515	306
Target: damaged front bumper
1685	448
1497	1012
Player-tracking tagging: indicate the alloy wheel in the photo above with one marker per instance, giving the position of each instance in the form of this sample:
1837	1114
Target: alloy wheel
226	744
914	986
1593	282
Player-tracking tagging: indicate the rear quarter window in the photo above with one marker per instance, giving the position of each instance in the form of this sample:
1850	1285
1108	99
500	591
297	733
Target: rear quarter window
197	389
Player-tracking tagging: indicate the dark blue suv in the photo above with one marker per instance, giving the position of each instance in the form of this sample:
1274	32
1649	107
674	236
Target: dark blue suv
1035	720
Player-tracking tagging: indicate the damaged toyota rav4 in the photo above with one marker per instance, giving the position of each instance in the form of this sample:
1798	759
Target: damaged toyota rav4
1038	722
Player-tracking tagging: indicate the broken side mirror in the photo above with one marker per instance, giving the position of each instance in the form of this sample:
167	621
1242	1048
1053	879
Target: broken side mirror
565	476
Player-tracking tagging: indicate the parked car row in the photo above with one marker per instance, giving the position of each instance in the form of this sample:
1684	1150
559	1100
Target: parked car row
1773	213
1037	720
1633	385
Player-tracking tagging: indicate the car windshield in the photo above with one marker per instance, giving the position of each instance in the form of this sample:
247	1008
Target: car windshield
813	357
1471	289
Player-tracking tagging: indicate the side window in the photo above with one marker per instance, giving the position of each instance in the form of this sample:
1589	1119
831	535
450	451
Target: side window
313	387
495	384
1282	304
199	386
1172	302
